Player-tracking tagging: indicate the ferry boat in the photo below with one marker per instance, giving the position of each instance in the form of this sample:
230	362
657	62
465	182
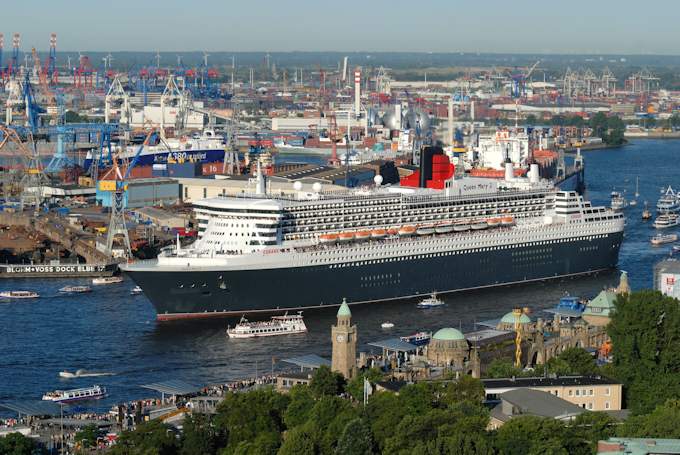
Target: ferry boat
417	339
278	325
660	239
95	392
259	252
75	289
431	302
19	295
107	280
207	147
668	202
618	202
667	220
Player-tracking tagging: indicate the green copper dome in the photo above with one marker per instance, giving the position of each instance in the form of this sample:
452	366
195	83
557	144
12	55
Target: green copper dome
344	309
509	318
448	334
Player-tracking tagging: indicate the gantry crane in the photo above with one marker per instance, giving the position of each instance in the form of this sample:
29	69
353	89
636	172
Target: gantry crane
33	179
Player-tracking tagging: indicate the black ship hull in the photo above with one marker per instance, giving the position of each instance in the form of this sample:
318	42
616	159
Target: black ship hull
195	294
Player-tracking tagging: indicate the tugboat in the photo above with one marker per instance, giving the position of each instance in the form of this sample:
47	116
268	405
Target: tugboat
19	295
431	302
278	325
646	213
95	392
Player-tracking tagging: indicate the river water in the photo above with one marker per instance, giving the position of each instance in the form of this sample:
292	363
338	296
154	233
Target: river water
110	330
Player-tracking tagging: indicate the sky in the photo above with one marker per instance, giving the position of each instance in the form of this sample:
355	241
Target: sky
503	26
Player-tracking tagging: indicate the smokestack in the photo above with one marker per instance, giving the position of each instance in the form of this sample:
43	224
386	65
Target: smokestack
357	93
533	173
472	117
509	173
344	70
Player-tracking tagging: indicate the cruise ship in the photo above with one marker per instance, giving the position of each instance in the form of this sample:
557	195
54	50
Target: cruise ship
207	147
308	249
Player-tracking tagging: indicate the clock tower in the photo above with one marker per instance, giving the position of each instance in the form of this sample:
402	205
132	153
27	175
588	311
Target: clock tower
344	343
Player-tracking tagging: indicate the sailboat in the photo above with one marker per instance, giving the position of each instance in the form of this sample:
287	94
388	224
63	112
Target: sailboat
637	192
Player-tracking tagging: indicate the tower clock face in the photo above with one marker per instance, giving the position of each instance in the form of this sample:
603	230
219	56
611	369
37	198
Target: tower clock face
340	338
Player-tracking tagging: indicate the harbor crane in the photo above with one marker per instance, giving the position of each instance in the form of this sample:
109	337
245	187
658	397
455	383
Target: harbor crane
519	81
114	182
33	179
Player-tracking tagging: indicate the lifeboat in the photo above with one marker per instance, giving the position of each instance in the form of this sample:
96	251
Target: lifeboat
392	231
378	234
363	235
444	228
426	229
493	222
328	238
461	227
406	231
507	221
479	225
345	237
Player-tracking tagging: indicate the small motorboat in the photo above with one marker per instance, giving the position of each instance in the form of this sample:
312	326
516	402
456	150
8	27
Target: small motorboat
676	248
19	295
107	280
136	291
387	325
75	289
431	302
660	239
646	213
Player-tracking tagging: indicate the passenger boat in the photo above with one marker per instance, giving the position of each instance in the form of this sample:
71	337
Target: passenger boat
660	239
107	280
443	228
75	289
136	291
667	220
668	202
417	339
387	325
618	202
278	325
19	295
95	392
431	302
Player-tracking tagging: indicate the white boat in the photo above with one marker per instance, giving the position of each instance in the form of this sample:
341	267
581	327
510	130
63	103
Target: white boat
461	227
82	374
618	202
444	228
136	291
278	325
668	202
65	396
387	325
427	229
667	220
19	295
479	225
107	280
431	302
75	289
660	239
418	339
676	248
646	213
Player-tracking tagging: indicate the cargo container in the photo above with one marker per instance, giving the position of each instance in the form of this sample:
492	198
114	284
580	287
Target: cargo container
212	168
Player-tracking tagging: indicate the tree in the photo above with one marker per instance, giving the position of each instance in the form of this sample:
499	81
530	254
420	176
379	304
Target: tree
246	416
87	437
502	368
152	437
591	427
646	348
326	382
72	117
301	403
465	389
663	422
355	387
302	440
460	443
356	439
531	435
199	436
573	361
18	444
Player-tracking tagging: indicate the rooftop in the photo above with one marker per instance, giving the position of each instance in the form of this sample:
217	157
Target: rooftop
638	446
448	334
538	403
546	381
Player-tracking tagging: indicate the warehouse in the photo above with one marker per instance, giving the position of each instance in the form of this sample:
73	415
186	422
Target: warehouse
145	193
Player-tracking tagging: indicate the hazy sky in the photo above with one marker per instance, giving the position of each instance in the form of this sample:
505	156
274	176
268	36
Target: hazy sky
547	26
